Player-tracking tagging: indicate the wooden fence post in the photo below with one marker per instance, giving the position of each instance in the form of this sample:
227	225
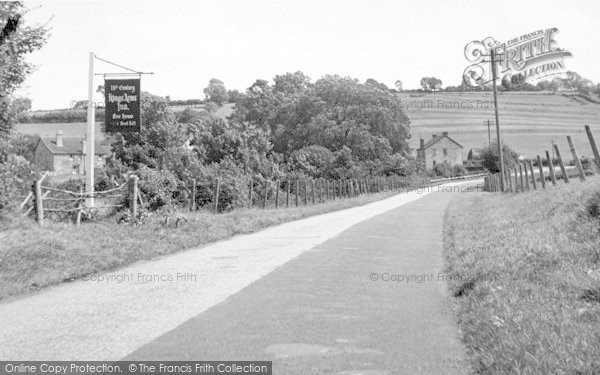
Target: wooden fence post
250	192
593	145
516	180
287	194
217	195
297	191
133	202
80	207
541	168
333	183
509	180
277	193
576	159
533	183
305	192
312	190
526	173
38	202
326	189
551	166
266	193
320	190
521	178
194	194
565	176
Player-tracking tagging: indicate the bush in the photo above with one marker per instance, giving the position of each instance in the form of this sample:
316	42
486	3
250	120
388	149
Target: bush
593	205
233	185
458	170
443	170
158	187
16	177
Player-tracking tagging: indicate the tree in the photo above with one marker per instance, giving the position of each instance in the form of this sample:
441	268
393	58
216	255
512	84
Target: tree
431	83
234	96
334	113
17	40
490	158
216	91
20	107
398	85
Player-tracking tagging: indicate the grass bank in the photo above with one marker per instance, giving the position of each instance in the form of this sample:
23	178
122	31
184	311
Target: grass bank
527	279
33	257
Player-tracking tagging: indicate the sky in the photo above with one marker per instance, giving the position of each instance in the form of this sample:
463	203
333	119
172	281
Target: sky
187	43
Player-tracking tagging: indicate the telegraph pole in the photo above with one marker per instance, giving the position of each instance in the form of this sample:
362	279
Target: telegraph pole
489	132
500	156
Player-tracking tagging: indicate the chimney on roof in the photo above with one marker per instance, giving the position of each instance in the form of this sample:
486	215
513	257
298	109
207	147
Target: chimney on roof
433	135
59	138
445	134
421	143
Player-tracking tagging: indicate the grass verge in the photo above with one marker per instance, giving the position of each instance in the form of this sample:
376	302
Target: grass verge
526	273
33	257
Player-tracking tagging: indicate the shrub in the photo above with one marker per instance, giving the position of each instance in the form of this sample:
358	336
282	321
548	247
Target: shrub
443	170
458	170
16	177
157	186
593	205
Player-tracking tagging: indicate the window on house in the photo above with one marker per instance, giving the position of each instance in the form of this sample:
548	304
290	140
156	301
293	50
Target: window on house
445	152
433	152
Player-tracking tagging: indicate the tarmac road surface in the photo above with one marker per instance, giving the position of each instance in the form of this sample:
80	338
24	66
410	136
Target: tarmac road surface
356	291
371	300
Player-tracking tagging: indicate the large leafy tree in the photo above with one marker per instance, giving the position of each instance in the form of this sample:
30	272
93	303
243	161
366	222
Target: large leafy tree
431	84
216	91
337	113
17	40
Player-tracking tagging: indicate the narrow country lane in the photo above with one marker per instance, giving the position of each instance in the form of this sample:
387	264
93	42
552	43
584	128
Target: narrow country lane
336	309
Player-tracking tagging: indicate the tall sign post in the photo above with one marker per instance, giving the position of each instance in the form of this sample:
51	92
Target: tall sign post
122	100
90	138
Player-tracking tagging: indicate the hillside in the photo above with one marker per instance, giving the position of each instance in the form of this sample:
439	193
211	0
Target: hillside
78	129
529	120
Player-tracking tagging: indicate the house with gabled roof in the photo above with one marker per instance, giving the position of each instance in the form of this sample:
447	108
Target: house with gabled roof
66	156
440	149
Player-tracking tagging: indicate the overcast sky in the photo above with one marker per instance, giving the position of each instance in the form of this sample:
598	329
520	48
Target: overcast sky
187	43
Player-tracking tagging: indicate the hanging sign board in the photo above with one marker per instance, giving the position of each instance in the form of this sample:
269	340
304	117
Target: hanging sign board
122	105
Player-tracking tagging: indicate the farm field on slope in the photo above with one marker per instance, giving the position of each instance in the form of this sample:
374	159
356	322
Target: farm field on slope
529	121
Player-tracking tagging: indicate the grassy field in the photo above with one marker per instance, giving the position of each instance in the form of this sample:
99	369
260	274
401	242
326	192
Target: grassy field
33	257
78	129
73	129
527	279
530	121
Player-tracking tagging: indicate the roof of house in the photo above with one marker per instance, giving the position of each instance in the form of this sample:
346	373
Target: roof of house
436	138
70	146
